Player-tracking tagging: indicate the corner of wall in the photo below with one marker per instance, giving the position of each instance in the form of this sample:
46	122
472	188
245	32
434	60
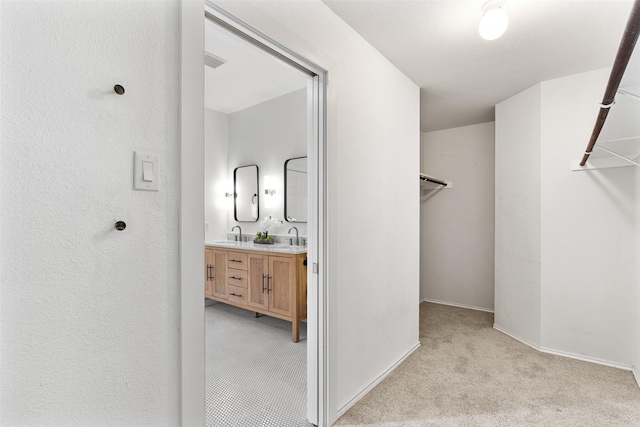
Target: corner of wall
517	215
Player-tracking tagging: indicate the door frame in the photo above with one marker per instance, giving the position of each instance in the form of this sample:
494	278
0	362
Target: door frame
191	223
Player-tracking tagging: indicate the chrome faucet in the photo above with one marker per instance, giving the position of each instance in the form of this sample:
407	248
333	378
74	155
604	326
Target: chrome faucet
294	228
240	229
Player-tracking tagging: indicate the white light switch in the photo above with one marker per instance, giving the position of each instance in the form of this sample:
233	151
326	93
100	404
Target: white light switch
146	172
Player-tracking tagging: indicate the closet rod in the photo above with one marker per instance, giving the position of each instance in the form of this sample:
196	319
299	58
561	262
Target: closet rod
625	50
434	180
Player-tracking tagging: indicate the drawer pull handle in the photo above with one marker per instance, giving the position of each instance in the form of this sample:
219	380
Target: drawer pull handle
236	295
235	278
235	260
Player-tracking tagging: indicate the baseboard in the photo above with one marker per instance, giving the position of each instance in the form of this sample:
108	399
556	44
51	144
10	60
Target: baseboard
634	370
504	331
453	304
585	358
375	382
566	354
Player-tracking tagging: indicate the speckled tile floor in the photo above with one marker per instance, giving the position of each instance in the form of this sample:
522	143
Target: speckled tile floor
255	374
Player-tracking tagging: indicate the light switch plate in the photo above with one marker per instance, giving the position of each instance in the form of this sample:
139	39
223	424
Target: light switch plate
138	176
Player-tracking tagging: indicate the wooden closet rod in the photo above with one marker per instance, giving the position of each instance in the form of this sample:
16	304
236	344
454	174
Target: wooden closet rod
430	179
629	39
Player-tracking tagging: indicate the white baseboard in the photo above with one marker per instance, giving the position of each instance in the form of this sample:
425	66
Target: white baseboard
504	331
566	354
453	304
375	382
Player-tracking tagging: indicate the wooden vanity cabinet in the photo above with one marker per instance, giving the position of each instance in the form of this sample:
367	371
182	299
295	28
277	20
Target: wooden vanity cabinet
216	274
273	284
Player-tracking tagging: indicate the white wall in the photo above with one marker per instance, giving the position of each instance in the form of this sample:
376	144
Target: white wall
517	216
457	224
581	224
90	315
373	155
217	181
267	135
587	231
636	304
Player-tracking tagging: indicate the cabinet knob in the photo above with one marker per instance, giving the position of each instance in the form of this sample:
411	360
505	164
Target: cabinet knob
121	225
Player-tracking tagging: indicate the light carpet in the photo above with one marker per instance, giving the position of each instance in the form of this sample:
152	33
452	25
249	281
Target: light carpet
465	373
255	375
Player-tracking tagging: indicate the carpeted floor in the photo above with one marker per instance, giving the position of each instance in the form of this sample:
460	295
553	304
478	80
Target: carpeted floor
255	375
465	373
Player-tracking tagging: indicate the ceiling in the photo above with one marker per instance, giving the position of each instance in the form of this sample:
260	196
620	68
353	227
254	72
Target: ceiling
249	76
461	76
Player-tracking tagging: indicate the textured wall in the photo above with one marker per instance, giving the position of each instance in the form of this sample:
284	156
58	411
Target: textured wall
457	224
636	321
217	181
517	223
89	315
587	231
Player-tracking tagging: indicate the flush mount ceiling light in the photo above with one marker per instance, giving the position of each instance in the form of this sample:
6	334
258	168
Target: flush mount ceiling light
494	21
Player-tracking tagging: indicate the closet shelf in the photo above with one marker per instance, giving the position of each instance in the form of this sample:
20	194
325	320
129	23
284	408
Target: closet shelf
613	153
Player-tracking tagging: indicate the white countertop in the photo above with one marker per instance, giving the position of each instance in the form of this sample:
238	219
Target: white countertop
276	247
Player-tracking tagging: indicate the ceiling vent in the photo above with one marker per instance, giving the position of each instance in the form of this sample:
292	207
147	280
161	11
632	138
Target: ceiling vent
212	60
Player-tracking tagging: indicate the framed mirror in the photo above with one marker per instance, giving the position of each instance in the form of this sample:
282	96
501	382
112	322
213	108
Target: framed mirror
245	193
295	189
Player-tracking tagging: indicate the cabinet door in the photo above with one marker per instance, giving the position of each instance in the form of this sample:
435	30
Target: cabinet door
257	281
209	261
281	282
220	274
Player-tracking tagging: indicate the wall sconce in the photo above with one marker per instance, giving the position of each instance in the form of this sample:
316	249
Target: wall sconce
269	184
494	21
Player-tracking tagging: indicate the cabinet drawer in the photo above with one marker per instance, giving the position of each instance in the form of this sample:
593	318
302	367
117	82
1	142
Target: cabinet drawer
238	277
237	294
237	260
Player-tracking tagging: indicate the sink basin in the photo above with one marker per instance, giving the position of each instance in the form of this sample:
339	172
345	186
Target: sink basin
225	242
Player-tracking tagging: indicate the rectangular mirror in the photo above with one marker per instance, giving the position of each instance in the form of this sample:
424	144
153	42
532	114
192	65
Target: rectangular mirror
245	193
295	189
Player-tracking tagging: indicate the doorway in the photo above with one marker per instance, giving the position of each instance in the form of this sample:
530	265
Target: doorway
256	123
315	229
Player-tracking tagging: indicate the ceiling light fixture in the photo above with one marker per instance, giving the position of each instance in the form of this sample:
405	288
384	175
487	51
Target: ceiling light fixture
494	21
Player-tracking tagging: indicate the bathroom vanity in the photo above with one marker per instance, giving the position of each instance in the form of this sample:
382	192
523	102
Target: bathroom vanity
265	279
